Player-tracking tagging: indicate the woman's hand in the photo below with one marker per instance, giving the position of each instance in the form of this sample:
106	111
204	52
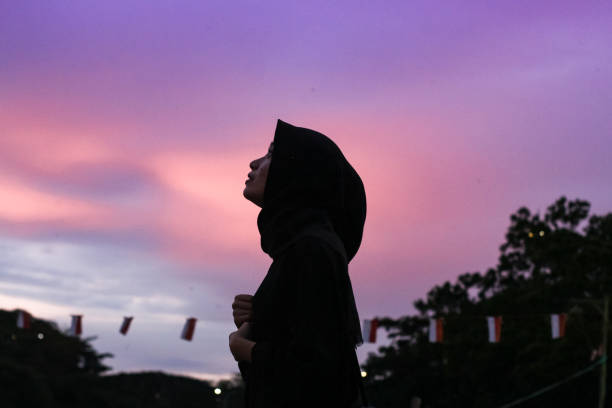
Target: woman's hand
243	309
239	344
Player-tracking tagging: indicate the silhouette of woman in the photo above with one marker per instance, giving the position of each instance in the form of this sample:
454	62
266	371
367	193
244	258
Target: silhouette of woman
296	338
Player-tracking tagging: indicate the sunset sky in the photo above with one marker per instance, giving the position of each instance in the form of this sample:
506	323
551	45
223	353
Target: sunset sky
127	128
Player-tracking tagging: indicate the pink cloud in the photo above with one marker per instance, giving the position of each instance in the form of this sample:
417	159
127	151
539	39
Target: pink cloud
204	213
192	207
50	149
20	203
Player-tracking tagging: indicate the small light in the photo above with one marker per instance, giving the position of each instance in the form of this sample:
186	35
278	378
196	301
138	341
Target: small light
41	336
541	233
364	374
530	234
217	391
13	337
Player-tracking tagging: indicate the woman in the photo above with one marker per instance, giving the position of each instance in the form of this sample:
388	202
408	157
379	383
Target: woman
297	335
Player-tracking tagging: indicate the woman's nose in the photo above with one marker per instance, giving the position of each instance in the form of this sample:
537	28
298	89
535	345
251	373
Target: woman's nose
253	164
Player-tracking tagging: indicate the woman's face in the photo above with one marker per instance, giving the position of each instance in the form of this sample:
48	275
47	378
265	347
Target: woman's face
256	183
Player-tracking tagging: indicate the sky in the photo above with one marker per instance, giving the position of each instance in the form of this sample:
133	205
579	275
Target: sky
127	128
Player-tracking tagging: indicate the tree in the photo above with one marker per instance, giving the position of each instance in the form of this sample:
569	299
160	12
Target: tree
544	266
40	365
43	367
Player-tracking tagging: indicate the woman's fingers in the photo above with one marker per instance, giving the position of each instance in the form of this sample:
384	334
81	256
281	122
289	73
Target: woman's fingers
240	318
241	305
238	321
244	297
243	302
237	312
242	309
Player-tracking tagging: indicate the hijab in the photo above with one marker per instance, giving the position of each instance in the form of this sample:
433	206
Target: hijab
312	189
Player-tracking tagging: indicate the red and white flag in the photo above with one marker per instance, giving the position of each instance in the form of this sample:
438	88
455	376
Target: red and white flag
125	326
557	325
24	319
77	327
188	329
436	330
369	330
494	323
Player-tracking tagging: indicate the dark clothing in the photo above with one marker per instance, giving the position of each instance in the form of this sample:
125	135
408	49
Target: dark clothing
305	323
302	357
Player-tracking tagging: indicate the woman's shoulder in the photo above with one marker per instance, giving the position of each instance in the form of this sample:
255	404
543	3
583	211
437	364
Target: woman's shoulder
317	247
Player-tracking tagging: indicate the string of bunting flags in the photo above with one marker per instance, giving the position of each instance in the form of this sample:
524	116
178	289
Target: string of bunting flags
494	328
369	327
24	321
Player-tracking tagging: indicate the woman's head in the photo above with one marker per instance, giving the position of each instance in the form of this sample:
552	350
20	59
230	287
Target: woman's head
257	177
308	171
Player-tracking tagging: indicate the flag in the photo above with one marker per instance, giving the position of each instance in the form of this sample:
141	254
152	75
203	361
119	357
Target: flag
76	328
125	326
557	325
189	328
494	323
24	319
436	330
369	330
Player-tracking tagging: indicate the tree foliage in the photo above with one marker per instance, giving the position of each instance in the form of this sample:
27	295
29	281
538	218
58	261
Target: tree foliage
558	262
42	367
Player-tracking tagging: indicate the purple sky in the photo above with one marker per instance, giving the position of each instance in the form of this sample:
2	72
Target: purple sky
127	127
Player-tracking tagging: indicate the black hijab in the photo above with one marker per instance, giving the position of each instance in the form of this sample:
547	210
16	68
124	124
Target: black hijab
312	189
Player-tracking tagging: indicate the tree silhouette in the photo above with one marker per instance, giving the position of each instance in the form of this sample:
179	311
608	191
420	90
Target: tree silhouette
42	367
546	265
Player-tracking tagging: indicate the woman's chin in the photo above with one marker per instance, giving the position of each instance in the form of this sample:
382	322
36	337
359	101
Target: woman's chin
254	198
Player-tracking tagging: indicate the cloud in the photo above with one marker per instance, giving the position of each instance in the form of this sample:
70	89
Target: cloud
19	203
126	135
104	283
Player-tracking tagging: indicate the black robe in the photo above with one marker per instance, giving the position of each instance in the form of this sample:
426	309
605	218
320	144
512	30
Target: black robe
305	323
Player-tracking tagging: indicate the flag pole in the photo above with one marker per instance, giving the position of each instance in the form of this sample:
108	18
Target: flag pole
604	343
